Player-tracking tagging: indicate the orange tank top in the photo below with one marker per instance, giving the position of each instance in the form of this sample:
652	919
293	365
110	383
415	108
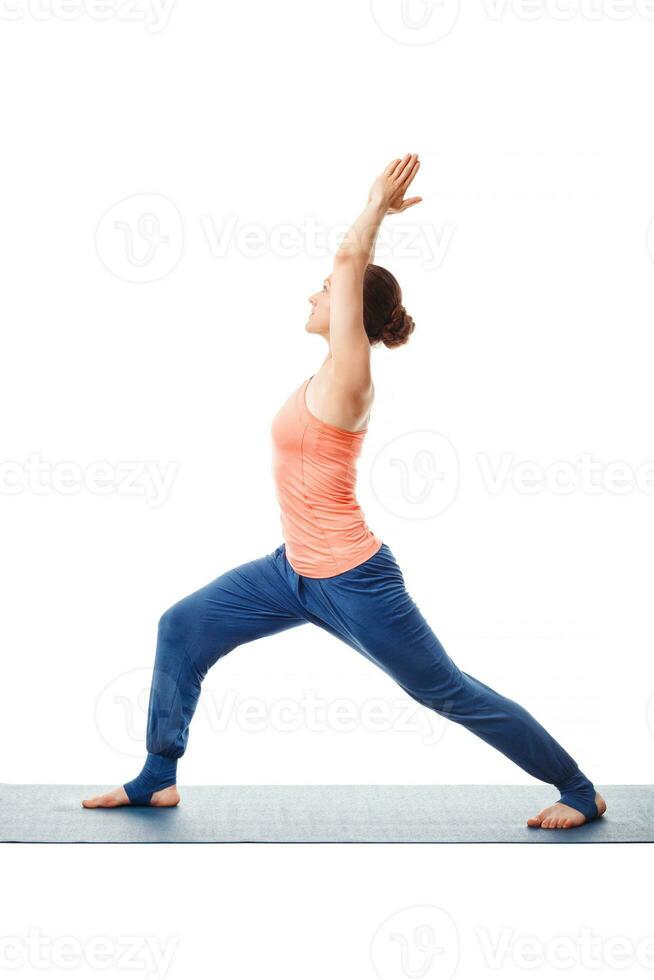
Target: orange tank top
314	468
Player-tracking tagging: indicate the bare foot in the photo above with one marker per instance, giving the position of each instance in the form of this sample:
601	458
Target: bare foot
118	797
562	817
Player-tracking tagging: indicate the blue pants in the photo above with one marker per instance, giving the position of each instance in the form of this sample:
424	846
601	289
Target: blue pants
368	608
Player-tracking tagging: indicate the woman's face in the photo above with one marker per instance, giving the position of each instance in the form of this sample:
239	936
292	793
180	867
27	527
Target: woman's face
318	321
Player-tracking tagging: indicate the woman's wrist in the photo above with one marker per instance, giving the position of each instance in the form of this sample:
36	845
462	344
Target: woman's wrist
378	207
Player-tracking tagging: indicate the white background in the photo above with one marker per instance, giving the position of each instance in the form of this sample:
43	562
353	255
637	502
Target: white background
160	174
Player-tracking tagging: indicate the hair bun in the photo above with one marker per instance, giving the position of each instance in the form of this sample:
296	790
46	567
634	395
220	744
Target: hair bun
384	318
398	329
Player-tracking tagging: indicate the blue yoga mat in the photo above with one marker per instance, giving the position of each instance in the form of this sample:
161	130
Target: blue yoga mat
319	814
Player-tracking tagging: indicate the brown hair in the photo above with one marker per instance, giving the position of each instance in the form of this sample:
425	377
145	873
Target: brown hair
384	318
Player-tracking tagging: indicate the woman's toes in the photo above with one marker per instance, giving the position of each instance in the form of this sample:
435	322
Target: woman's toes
92	802
117	797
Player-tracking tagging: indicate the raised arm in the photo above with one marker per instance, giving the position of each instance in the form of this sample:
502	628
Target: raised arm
348	341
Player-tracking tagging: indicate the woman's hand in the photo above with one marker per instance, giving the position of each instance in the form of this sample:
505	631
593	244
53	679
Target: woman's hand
388	191
387	196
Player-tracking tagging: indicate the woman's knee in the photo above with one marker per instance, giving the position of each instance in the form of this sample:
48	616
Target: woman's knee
176	623
437	685
189	628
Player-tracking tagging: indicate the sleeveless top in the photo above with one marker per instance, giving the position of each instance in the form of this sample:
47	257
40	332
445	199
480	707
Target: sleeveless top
314	469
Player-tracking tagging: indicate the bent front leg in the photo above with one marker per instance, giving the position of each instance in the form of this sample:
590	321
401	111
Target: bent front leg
244	604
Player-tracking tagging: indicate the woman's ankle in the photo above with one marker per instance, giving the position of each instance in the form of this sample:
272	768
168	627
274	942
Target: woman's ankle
578	792
157	773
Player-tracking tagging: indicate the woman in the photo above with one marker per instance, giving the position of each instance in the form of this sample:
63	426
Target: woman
332	570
